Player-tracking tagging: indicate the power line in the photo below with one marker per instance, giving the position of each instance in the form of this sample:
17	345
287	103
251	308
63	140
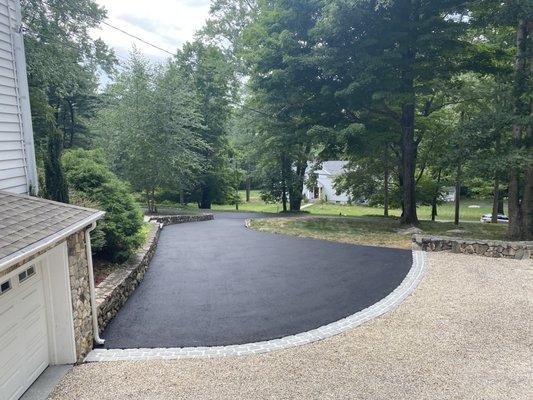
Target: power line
137	38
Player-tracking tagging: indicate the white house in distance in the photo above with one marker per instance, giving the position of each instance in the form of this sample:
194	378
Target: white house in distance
47	312
324	189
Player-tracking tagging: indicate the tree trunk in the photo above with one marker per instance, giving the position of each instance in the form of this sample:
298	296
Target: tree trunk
400	185
296	193
386	185
148	205
496	200
284	182
435	197
55	181
182	197
248	188
284	198
496	190
517	218
433	209
153	200
408	165
205	198
457	194
407	46
528	174
528	203
72	124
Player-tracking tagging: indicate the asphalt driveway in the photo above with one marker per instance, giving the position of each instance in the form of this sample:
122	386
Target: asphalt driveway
217	283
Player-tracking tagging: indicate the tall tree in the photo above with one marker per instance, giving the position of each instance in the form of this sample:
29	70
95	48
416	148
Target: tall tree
499	22
213	79
151	128
386	58
62	60
286	83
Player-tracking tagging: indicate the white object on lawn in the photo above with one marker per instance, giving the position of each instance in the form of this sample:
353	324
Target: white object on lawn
487	218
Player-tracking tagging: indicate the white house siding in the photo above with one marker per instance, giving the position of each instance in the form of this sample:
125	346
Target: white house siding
329	193
325	181
17	158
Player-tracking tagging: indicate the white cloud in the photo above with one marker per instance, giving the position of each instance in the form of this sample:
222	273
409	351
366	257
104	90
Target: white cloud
165	23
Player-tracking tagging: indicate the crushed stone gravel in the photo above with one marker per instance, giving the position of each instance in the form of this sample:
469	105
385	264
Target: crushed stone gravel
465	333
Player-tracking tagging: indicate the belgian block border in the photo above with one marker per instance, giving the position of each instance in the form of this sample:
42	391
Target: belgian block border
409	284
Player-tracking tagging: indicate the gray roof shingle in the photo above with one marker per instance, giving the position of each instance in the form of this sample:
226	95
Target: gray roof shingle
28	222
333	167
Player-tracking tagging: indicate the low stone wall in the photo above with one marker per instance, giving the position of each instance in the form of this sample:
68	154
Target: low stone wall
486	248
180	219
114	291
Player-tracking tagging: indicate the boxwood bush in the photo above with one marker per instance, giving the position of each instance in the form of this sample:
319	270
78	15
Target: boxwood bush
90	181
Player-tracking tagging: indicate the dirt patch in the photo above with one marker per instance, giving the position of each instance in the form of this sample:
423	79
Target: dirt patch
103	268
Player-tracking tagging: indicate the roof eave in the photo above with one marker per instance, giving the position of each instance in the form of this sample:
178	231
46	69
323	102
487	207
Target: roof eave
48	241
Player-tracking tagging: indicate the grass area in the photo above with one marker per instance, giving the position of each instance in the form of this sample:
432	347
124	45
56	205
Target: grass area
256	204
371	231
471	210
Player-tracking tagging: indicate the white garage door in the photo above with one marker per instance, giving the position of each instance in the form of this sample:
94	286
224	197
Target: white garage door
23	331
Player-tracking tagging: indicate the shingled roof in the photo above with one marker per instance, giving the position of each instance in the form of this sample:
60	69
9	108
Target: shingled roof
30	224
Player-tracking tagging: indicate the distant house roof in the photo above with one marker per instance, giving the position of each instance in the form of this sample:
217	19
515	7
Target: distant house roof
332	167
30	224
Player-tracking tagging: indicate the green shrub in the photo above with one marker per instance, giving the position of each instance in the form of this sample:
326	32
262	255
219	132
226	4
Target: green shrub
90	179
97	235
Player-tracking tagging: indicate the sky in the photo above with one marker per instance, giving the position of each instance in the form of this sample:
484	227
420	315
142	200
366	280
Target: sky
165	23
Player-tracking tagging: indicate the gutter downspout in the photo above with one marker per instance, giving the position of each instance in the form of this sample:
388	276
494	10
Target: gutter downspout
94	311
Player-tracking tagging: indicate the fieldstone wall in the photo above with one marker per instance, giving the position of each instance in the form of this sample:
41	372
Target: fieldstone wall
486	248
180	219
114	291
81	295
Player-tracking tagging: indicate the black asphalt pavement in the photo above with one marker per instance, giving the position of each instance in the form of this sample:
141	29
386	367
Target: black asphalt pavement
217	283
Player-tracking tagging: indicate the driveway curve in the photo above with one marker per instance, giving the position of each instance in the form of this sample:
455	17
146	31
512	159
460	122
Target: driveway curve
216	283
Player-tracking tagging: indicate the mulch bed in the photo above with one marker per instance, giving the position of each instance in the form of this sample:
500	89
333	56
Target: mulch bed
103	268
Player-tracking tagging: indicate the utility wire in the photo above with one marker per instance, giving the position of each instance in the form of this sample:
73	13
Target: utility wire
122	63
138	38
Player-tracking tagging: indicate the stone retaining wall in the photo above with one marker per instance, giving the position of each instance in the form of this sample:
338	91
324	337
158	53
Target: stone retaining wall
486	248
180	219
115	290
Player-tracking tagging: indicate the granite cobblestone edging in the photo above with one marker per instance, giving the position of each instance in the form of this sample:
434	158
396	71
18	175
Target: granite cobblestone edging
114	291
409	283
486	248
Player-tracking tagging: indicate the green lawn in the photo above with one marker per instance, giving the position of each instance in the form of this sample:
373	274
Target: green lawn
371	231
255	204
445	211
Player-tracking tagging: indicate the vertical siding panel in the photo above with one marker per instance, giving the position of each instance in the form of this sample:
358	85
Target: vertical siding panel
13	163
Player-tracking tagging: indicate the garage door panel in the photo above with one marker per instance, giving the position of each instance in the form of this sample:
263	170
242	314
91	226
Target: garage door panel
7	314
37	363
24	336
10	356
7	335
11	389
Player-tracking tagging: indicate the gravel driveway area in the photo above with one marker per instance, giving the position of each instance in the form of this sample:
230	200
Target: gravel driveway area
465	333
